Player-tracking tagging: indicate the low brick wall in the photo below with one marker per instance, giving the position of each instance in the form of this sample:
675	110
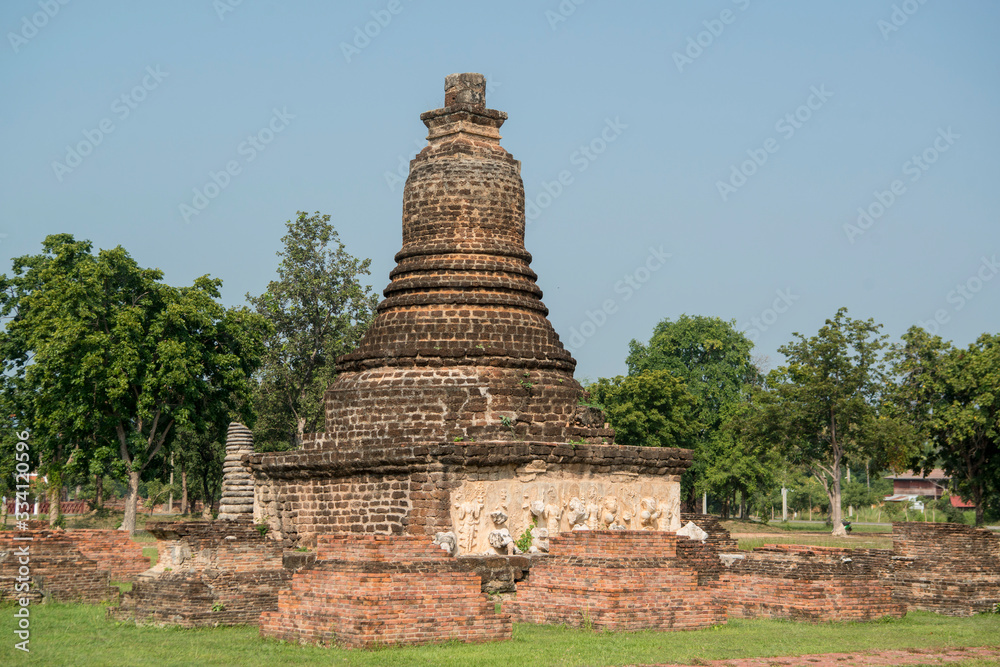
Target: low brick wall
946	568
806	583
58	569
615	580
112	550
374	590
703	556
208	573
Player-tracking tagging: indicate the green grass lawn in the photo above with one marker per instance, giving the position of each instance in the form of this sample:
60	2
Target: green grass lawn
80	635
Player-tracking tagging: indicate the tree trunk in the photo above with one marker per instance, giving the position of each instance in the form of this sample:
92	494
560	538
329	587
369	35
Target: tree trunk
55	505
98	491
184	490
977	497
206	502
836	515
131	502
170	499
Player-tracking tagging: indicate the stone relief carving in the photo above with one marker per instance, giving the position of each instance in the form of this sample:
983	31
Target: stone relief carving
502	541
577	514
447	541
649	513
468	517
486	520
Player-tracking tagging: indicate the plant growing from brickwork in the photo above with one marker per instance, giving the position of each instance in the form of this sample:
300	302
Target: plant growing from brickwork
319	310
523	542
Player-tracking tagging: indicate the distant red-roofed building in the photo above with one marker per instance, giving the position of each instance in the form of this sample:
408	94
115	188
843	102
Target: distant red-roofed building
956	501
908	486
911	483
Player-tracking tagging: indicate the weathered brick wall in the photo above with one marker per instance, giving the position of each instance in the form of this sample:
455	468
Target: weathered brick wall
382	590
191	599
616	580
377	548
704	556
208	573
112	550
407	489
448	402
58	569
808	583
946	567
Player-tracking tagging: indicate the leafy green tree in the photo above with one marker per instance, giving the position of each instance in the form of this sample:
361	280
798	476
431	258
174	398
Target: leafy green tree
319	310
713	359
951	396
824	407
48	401
109	352
739	461
157	492
200	458
651	409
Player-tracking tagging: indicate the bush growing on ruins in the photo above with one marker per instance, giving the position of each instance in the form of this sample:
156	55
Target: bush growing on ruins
319	310
523	542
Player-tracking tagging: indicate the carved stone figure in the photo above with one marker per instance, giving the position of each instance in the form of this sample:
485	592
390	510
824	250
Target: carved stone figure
649	514
538	509
503	542
447	541
577	514
540	541
593	510
468	519
553	513
609	512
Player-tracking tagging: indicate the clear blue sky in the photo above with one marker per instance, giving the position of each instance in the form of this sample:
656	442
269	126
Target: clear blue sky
822	107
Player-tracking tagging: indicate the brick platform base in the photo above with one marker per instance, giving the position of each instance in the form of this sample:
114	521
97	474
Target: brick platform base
615	580
58	569
376	590
112	550
947	568
208	573
807	583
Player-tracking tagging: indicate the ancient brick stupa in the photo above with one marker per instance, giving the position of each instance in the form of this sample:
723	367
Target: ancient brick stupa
458	411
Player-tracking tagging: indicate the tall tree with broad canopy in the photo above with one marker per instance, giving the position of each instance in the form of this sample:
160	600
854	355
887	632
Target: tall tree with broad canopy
319	310
42	398
827	405
112	353
952	397
713	359
651	409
